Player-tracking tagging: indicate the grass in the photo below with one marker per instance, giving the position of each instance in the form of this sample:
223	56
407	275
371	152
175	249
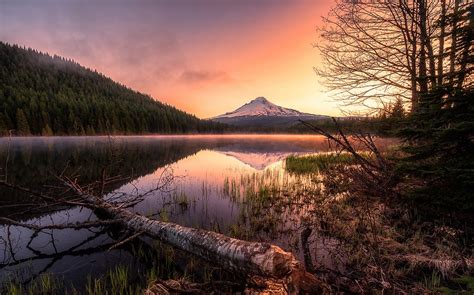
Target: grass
116	281
379	246
231	189
44	284
183	201
466	284
318	162
383	247
158	262
271	203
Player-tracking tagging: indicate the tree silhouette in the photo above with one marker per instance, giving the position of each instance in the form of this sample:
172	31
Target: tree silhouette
375	51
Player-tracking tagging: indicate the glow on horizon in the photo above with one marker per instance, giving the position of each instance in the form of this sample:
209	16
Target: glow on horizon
206	59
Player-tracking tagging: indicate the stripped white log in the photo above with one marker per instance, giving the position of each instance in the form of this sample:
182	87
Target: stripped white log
251	258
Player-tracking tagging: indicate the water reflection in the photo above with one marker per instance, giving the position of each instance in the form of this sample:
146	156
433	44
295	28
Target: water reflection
231	184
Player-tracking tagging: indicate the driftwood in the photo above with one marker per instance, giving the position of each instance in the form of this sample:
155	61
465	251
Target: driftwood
250	258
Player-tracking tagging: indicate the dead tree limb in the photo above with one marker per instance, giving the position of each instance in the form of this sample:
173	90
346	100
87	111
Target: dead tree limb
251	258
262	261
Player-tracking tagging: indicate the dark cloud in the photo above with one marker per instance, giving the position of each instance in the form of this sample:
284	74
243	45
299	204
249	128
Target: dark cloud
192	76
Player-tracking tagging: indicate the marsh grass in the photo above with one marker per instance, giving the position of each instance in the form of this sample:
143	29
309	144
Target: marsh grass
373	246
319	162
272	204
115	281
466	281
182	200
44	284
160	261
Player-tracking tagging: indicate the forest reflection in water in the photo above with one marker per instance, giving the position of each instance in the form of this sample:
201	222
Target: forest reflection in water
233	184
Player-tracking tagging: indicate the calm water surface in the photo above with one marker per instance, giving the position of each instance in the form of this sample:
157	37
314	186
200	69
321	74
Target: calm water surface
218	184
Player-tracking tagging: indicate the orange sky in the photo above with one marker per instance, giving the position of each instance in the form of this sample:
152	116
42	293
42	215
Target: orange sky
206	57
277	64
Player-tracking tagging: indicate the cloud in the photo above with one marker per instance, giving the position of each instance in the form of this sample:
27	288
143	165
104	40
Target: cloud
199	76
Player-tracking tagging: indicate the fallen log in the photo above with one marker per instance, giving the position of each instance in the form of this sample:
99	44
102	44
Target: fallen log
250	258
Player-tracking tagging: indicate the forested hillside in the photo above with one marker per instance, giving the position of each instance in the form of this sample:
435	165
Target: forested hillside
50	95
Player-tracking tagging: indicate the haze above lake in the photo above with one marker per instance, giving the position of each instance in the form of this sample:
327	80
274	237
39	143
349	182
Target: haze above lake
212	176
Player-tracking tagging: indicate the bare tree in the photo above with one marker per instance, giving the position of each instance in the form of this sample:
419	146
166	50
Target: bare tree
376	51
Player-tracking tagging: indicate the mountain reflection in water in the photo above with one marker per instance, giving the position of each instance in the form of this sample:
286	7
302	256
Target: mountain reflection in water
213	176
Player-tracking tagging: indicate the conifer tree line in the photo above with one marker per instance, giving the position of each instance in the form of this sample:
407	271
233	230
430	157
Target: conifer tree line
50	95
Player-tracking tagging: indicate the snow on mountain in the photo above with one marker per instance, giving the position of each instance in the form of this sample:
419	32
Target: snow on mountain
262	113
261	107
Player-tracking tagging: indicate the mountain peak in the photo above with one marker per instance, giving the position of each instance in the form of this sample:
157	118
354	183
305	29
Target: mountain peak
260	99
262	112
260	107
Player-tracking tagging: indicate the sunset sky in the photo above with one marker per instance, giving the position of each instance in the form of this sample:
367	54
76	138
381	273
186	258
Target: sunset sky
206	57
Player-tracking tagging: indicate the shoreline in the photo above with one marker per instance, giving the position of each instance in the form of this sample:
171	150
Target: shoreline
193	135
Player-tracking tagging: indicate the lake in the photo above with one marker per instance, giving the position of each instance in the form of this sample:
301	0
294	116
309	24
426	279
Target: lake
233	184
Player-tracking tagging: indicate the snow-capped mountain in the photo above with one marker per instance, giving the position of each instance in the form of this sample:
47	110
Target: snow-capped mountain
262	112
260	107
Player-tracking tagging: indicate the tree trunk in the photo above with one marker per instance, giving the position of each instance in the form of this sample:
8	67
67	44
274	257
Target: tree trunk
454	39
423	77
441	42
250	258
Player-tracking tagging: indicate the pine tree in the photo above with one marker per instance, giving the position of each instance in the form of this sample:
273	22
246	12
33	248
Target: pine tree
22	126
397	110
441	134
46	131
70	100
90	130
4	130
442	148
8	122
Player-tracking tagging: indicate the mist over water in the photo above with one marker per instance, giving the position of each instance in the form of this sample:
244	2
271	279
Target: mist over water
212	178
